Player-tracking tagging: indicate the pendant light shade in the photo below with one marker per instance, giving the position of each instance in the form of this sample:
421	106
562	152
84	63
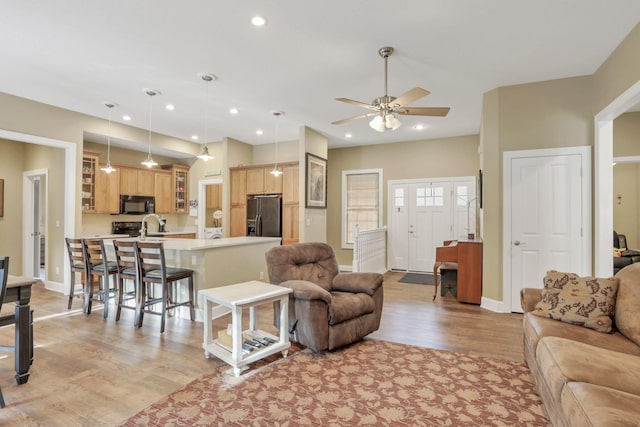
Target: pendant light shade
108	168
204	152
276	171
149	162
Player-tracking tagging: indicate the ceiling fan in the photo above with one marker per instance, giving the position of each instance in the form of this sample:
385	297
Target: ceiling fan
385	108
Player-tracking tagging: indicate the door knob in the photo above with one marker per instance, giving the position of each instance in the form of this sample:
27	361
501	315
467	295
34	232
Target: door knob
516	243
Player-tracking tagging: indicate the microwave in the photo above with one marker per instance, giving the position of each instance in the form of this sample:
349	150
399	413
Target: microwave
137	205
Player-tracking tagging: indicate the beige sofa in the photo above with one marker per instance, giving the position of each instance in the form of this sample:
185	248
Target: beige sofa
585	377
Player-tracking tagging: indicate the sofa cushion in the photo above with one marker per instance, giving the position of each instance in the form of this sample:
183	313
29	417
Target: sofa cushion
582	301
535	328
586	404
346	306
628	302
562	361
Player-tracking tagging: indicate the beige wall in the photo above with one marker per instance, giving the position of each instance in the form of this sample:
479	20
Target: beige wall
434	158
550	114
11	168
312	222
626	178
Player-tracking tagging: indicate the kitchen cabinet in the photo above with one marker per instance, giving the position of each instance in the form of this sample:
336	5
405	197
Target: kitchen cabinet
214	196
180	188
88	195
238	213
162	191
261	181
252	180
136	181
107	191
290	204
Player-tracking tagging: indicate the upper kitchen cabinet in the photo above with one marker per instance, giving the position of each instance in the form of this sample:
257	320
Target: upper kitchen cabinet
261	181
136	181
180	188
107	191
89	167
162	191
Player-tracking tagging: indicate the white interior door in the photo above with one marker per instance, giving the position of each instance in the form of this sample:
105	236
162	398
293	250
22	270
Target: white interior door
546	219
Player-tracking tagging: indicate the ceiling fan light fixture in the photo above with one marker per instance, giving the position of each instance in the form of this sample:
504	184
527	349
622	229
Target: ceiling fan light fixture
377	124
392	122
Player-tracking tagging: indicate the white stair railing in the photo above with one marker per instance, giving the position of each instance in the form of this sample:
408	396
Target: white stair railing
370	250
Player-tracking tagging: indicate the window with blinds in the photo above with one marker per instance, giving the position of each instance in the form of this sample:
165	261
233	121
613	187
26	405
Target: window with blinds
361	202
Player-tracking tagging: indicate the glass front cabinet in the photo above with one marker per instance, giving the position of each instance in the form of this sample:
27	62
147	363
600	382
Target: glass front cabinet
89	167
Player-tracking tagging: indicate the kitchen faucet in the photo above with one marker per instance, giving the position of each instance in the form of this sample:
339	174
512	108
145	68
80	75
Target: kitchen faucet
143	228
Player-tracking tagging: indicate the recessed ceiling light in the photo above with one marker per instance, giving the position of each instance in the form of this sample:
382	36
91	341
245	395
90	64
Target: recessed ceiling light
233	111
170	107
348	135
259	21
259	132
194	137
419	127
126	118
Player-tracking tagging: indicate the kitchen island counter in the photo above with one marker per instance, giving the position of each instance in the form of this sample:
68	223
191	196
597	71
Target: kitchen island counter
216	262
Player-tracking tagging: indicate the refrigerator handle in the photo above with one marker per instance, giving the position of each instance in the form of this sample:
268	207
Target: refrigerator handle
259	225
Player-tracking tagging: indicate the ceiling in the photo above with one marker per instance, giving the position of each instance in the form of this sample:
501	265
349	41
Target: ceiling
77	54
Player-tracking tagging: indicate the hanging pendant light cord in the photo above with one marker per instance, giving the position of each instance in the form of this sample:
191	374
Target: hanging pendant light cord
150	112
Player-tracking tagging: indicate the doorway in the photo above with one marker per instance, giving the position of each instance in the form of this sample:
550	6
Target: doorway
546	217
210	209
35	191
423	213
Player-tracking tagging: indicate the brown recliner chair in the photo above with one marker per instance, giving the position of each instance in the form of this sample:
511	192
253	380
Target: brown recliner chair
327	309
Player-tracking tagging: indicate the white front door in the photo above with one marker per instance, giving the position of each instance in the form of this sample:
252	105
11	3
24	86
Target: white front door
546	217
425	213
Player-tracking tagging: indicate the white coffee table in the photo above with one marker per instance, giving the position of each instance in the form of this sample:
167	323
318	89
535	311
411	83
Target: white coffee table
235	298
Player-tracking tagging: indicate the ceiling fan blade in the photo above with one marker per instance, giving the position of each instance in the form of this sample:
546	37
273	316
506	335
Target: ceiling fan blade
362	116
410	96
358	103
424	111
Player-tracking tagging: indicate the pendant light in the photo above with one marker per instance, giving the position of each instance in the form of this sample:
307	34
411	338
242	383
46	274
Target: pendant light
204	153
108	168
277	172
149	162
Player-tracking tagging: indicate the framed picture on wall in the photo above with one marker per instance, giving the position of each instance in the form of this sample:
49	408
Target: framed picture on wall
316	182
1	198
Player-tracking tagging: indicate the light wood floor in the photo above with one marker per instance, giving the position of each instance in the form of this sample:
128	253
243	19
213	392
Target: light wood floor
92	372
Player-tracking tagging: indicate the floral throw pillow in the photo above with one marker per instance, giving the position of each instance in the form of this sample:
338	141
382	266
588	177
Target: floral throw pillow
582	301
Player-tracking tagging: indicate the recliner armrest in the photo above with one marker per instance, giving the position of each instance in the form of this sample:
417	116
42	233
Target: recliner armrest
305	290
357	282
529	297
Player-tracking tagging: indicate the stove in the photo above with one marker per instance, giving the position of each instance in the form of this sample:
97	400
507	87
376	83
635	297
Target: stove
131	228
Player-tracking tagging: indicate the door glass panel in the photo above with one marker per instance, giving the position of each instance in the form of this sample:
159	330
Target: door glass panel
399	197
462	195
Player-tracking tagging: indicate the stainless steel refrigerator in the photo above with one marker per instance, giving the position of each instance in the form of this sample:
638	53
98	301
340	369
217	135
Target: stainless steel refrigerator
264	216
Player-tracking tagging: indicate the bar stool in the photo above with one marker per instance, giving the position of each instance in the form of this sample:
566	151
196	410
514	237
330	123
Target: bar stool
127	270
97	265
152	270
4	274
76	264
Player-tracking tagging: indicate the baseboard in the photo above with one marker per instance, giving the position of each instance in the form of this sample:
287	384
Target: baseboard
57	286
346	268
493	305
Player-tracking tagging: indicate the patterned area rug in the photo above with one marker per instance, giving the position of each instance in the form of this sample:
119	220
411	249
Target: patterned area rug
374	383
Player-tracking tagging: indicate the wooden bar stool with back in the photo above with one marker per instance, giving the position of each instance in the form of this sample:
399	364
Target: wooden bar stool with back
76	264
97	265
153	270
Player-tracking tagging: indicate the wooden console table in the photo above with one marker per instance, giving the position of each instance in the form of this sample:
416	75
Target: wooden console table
467	254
